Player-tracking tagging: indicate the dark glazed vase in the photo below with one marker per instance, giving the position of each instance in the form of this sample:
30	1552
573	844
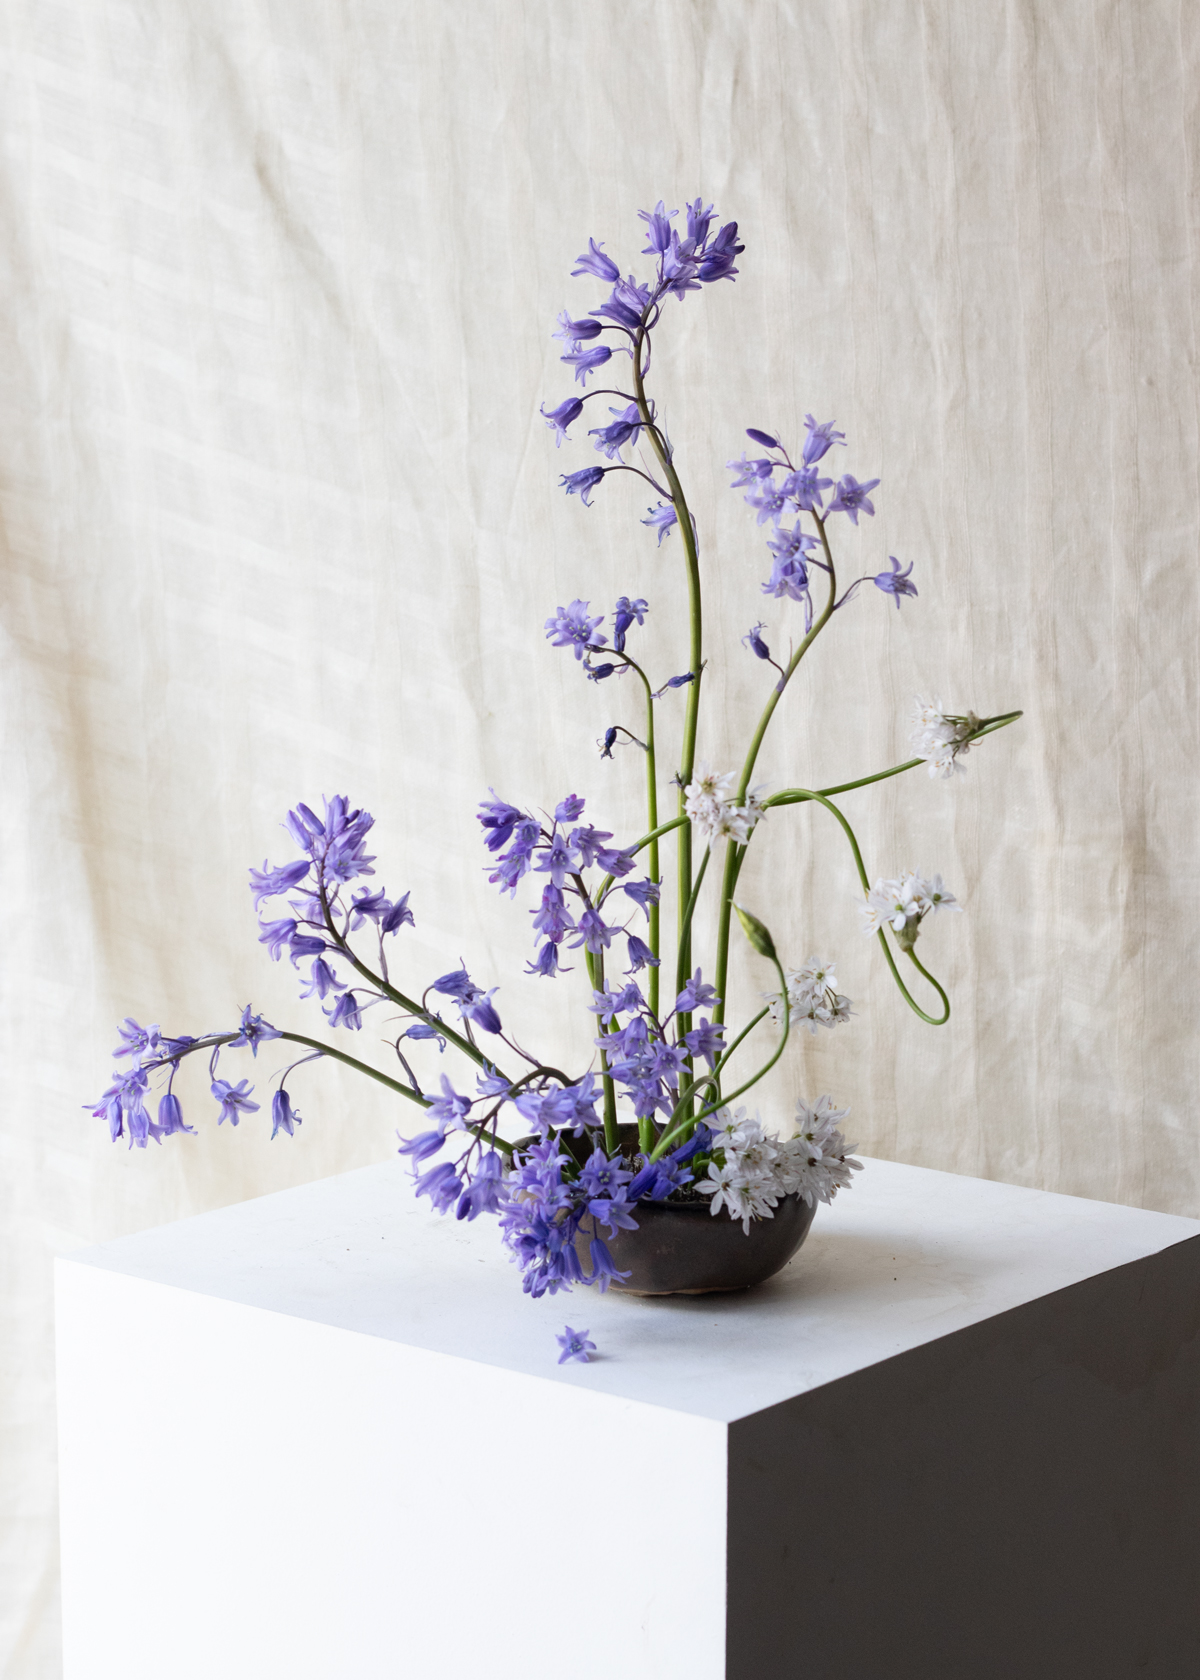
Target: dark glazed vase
682	1248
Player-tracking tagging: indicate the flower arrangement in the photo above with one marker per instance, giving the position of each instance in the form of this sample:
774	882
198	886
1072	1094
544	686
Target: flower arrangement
661	1041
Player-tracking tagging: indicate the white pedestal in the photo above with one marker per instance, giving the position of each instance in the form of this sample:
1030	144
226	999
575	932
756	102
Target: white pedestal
323	1436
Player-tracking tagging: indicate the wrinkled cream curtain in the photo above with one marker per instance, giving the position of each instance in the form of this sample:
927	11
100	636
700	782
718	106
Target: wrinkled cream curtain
279	518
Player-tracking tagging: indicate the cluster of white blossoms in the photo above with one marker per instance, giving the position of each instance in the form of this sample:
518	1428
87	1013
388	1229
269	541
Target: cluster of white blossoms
903	905
708	802
813	998
942	739
757	1171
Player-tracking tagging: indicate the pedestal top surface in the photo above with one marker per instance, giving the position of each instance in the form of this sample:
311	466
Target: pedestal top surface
907	1256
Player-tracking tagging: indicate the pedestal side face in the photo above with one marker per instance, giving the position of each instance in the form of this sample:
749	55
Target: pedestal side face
1020	1499
247	1495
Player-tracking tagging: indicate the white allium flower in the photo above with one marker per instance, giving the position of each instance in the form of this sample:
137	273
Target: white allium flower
760	1168
746	1198
813	998
941	739
817	1162
890	903
707	802
928	892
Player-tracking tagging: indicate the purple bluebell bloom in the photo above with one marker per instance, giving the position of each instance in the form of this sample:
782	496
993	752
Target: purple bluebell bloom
569	808
450	1110
717	263
699	220
345	1012
558	419
484	1188
395	916
640	954
610	739
571	627
583	482
305	945
598	673
322	980
135	1040
442	1185
574	333
170	1118
275	935
491	1084
480	1010
283	1116
852	497
587	361
594	261
645	893
253	1032
626	613
675	682
764	438
594	934
697	994
749	472
424	1029
546	963
819	438
574	1345
498	820
423	1145
553	920
753	640
588	842
626	304
770	502
658	229
804	487
624	428
558	860
663	518
268	882
707	1040
896	582
234	1100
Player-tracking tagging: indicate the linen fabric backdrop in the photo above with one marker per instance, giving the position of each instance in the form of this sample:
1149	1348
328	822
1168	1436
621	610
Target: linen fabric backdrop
281	519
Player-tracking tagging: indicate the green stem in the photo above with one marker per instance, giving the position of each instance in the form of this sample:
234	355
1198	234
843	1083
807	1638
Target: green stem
681	973
732	860
652	819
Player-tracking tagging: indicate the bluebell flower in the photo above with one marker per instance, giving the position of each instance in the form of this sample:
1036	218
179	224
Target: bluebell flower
553	920
234	1100
558	419
275	935
610	739
605	1005
423	1145
707	1040
852	497
457	984
819	438
699	220
397	915
498	821
658	229
546	962
617	861
283	1116
749	472
626	304
574	333
640	954
587	361
598	673
594	261
442	1185
718	257
569	808
170	1118
753	640
764	438
135	1040
583	482
661	519
484	1188
804	487
624	428
675	682
491	1084
305	945
336	842
450	1110
594	934
572	627
345	1012
558	860
253	1032
588	841
268	882
697	994
603	1267
645	893
896	582
770	502
574	1345
322	980
603	1175
480	1009
626	613
424	1029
